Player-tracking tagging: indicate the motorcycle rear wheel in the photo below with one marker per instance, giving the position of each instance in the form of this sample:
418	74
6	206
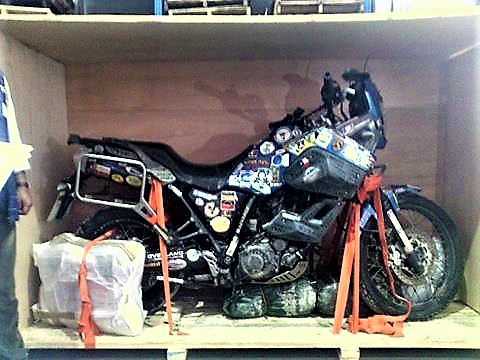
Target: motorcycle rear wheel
441	252
130	226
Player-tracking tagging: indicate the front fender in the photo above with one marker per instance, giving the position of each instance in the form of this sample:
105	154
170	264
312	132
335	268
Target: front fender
389	201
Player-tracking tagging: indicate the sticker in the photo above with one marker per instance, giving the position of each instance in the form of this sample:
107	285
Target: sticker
323	137
262	163
351	153
276	175
286	160
117	178
246	178
311	174
305	163
211	210
283	135
101	170
234	180
253	153
199	202
176	264
133	171
133	180
220	224
267	148
337	144
262	181
204	195
296	132
262	188
277	160
228	200
250	164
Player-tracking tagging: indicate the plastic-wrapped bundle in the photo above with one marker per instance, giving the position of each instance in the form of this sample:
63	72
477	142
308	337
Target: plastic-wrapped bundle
115	269
246	302
326	295
292	299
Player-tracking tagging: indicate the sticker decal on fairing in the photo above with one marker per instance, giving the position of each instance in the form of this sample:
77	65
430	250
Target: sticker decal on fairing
228	200
204	195
220	224
267	148
327	139
211	210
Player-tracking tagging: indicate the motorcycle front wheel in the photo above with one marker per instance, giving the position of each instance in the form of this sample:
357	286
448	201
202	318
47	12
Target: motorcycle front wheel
440	252
130	226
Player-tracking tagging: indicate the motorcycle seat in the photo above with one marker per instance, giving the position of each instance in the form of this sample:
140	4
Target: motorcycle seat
210	177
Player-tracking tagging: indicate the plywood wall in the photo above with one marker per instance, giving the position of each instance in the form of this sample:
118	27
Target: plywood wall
209	111
38	89
460	185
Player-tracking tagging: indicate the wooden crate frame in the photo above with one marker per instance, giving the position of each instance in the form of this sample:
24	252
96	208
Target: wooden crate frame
23	10
207	328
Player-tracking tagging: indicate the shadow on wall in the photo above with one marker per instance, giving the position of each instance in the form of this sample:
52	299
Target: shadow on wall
249	107
302	91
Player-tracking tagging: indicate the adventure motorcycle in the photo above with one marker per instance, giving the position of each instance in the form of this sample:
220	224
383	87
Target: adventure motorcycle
266	216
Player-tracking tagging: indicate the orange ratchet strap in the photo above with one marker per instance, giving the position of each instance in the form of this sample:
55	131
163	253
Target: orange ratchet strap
381	324
86	326
156	203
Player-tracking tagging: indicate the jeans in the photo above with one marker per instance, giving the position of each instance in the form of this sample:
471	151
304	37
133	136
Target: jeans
11	343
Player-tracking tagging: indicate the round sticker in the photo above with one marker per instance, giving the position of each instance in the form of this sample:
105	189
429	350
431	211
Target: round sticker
133	180
277	160
211	210
267	148
199	202
296	132
220	224
133	171
117	178
283	135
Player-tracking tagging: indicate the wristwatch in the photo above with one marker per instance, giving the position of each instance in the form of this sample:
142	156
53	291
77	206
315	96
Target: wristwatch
22	184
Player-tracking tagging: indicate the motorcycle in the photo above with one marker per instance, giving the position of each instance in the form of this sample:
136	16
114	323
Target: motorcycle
266	216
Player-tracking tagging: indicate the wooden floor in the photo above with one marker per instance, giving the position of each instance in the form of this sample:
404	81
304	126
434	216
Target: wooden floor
458	327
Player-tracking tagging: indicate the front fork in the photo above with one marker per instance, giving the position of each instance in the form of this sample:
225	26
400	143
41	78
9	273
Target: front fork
391	208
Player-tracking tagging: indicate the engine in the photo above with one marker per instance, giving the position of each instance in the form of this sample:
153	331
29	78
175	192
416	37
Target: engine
263	257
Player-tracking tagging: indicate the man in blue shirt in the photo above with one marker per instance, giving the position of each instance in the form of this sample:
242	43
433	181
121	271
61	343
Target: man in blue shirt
15	200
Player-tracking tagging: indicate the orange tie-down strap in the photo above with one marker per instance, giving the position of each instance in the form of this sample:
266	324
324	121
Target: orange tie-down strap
86	326
156	203
380	324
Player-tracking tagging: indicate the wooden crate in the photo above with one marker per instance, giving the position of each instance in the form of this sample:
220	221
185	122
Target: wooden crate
23	10
283	7
188	4
213	10
342	6
317	6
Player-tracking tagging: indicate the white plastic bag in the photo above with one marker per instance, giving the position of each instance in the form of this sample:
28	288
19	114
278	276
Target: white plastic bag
115	269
